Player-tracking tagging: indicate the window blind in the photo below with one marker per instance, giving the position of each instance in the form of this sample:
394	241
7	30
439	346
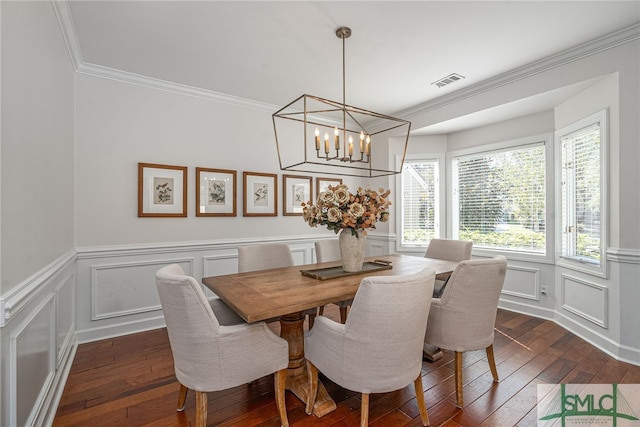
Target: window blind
581	194
499	198
420	210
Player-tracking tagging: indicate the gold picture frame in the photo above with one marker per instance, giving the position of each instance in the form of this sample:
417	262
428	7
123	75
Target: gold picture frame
215	192
260	194
296	189
162	190
323	183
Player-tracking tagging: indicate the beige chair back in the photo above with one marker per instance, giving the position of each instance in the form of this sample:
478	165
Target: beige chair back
264	256
449	250
327	250
208	356
379	348
464	318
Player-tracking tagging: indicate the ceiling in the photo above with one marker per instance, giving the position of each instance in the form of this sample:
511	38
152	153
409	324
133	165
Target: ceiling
274	51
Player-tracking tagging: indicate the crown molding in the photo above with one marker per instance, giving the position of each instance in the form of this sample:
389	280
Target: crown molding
67	27
584	50
609	41
154	83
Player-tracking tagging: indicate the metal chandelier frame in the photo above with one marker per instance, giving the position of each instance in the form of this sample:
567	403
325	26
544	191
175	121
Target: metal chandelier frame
339	155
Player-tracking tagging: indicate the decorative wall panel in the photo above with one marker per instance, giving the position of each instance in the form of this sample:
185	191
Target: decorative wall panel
585	299
522	282
128	288
31	356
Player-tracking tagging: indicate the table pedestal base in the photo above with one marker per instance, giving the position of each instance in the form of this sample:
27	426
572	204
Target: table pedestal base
292	329
299	385
431	352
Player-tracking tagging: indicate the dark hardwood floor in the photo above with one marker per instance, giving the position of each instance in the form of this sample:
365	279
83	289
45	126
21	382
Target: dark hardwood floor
129	381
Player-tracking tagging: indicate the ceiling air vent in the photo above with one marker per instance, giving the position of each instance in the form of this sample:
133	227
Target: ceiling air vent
451	78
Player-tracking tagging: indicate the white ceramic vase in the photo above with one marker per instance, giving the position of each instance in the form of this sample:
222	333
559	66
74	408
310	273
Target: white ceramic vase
352	249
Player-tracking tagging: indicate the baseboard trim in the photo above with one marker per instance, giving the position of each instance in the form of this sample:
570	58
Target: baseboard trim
58	386
120	329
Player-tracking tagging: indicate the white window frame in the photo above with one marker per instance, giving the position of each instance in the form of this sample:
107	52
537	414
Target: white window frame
440	228
575	263
546	140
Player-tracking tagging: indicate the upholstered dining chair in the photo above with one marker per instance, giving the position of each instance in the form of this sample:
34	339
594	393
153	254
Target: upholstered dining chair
326	251
464	318
208	356
379	348
264	256
448	250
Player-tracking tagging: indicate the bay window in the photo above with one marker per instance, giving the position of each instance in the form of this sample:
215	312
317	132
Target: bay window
420	202
581	200
499	197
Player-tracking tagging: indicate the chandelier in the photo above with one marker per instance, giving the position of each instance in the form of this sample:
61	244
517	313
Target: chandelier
317	135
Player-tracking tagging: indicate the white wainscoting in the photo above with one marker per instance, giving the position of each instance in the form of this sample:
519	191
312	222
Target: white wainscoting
116	286
522	282
38	344
96	293
117	289
585	299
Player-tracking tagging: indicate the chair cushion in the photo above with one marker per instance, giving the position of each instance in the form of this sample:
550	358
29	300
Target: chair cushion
225	315
438	288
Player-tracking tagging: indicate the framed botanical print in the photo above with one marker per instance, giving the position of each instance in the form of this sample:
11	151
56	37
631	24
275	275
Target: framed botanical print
260	194
215	192
323	183
162	190
296	190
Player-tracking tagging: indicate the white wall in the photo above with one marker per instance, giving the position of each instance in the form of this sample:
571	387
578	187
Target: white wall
37	286
119	124
520	127
37	142
605	295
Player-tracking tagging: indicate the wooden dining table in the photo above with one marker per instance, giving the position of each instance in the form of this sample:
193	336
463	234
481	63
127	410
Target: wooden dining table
285	293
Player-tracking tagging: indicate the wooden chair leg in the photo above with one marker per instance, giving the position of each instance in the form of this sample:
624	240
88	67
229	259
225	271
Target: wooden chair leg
364	410
201	409
492	363
422	407
182	397
458	372
321	310
312	319
343	315
280	380
312	373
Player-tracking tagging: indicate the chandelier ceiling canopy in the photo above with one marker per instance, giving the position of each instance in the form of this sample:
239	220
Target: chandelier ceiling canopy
317	135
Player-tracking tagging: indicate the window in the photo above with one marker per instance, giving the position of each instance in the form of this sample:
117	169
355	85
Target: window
581	174
420	202
499	197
